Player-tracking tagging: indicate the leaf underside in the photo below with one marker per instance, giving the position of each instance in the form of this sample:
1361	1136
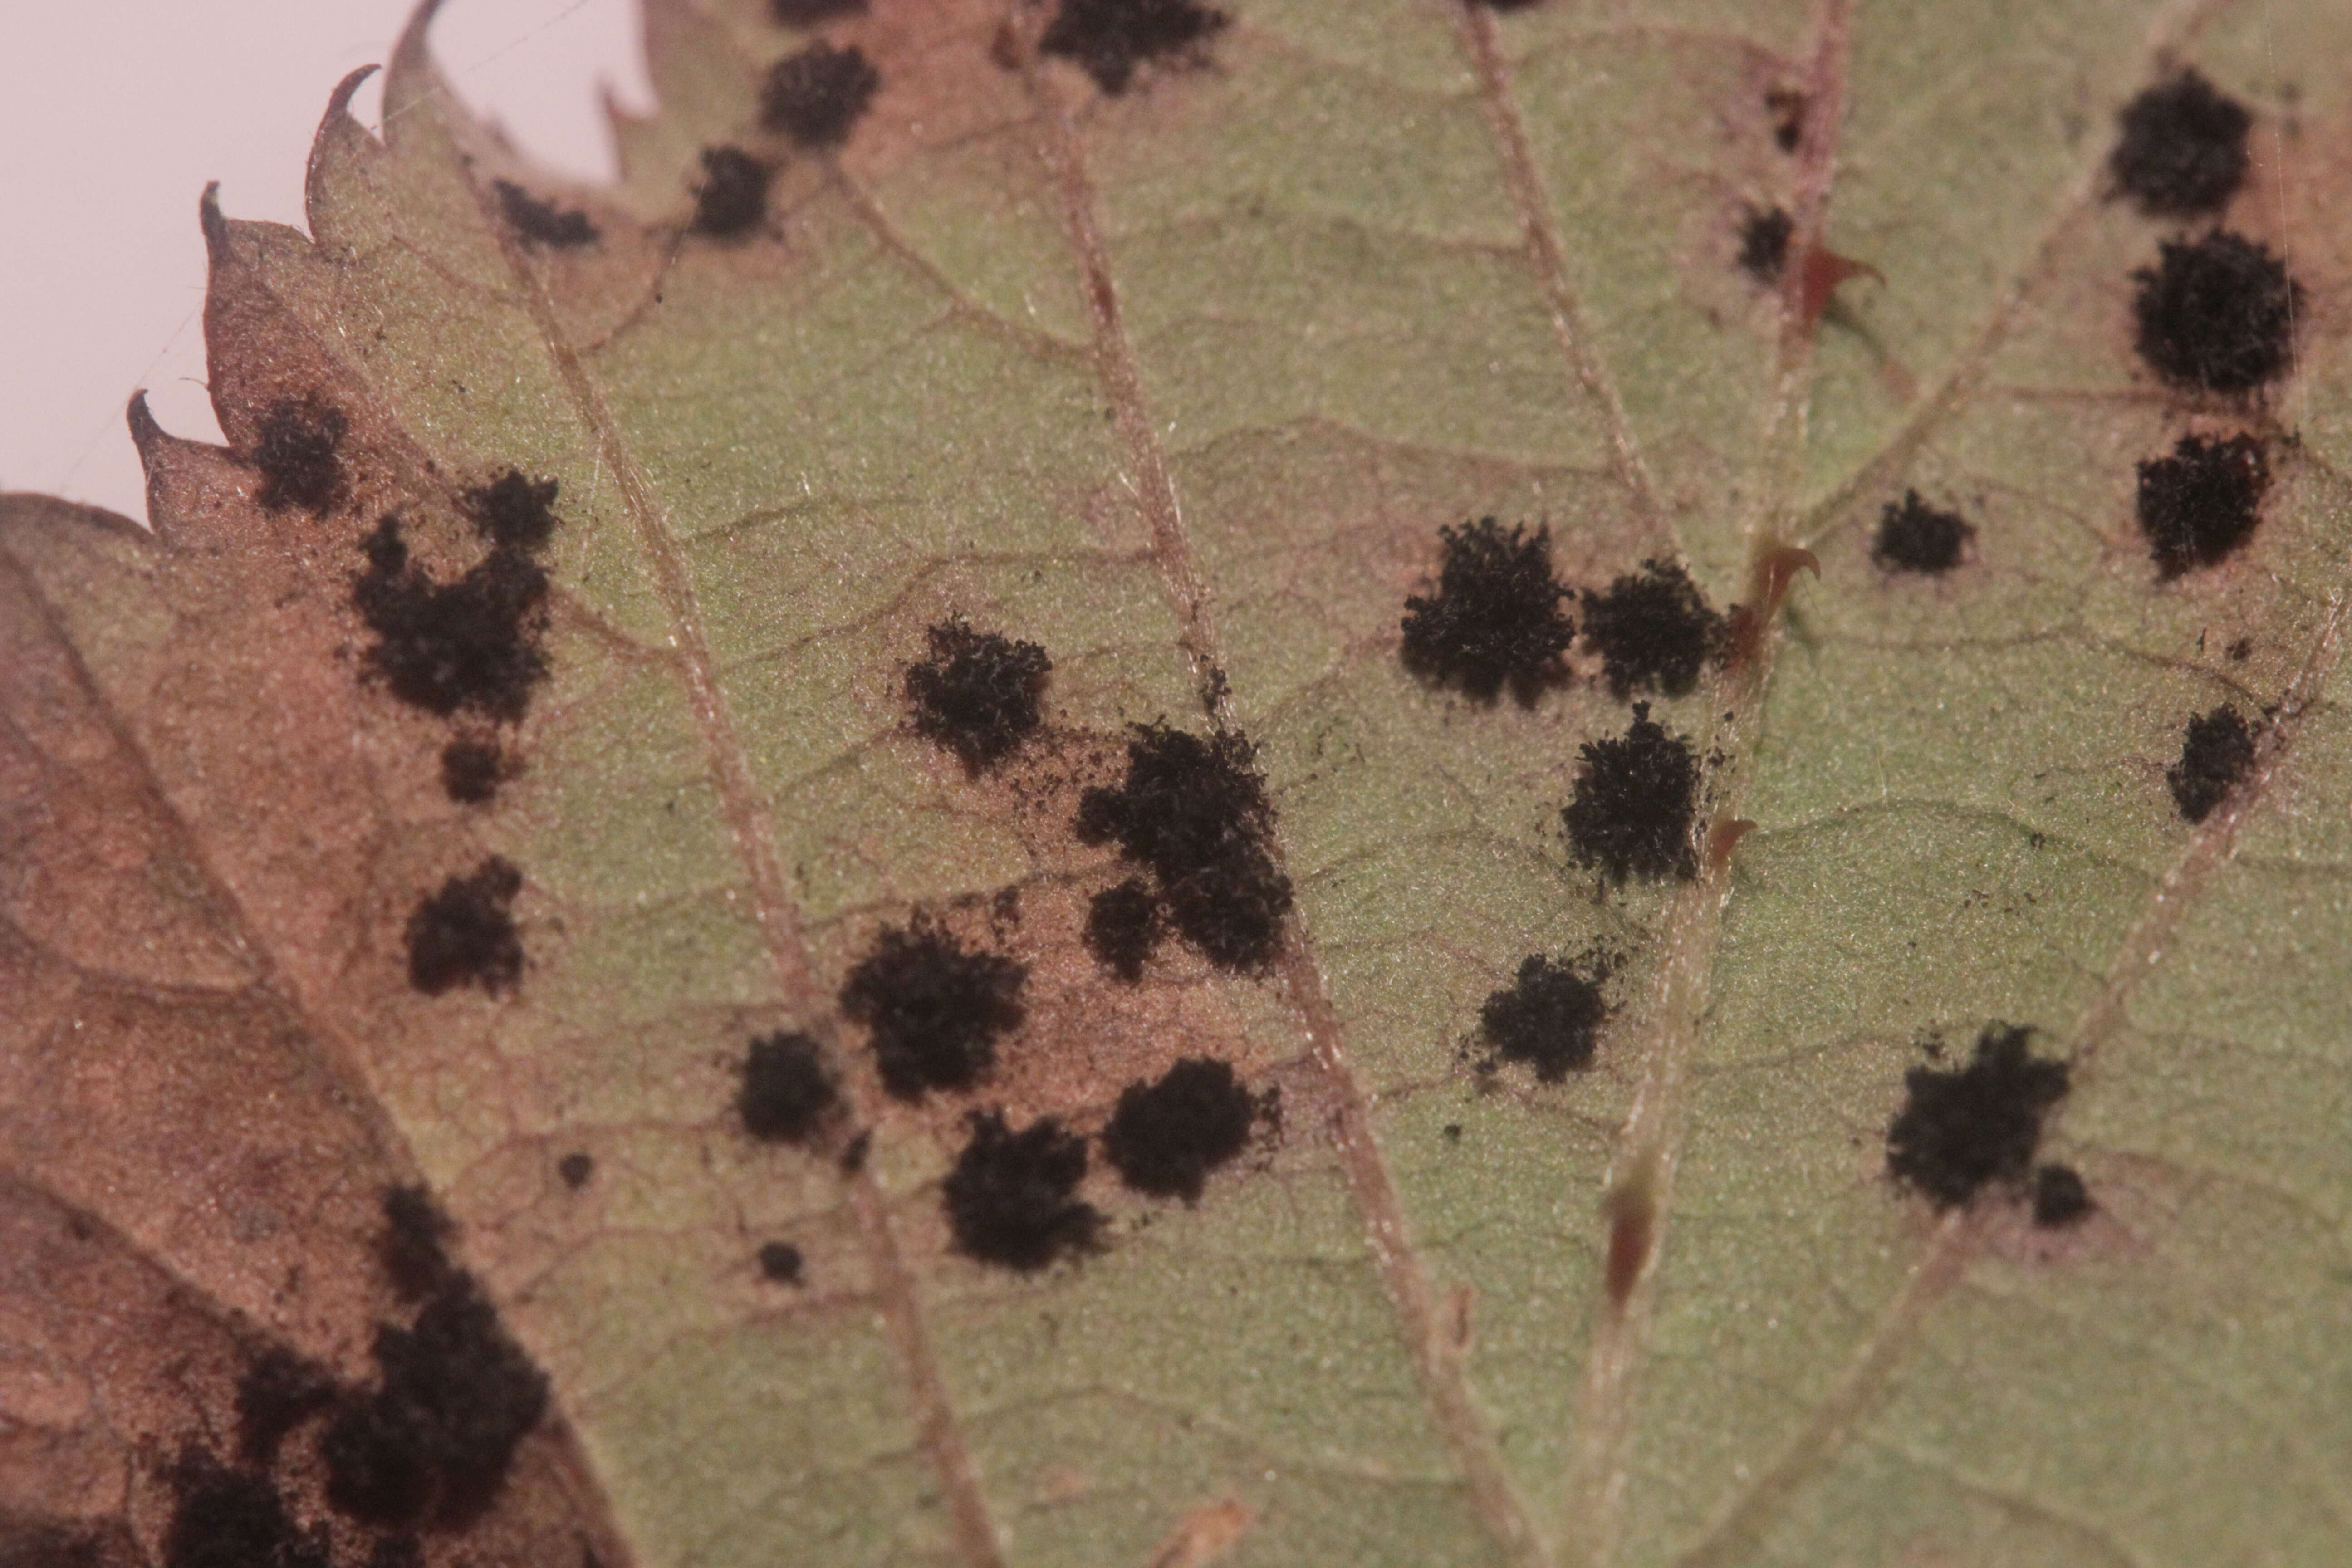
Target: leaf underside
1180	382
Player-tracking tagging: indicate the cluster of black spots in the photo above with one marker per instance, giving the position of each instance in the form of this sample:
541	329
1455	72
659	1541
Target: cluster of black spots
298	450
1497	618
472	768
1108	39
513	512
542	223
1764	236
1549	1016
979	692
787	1090
1635	795
223	1518
2216	750
2216	314
431	1442
2182	152
471	645
780	1263
575	1169
1965	1127
1166	1136
1124	928
2201	503
1195	813
1011	1197
816	97
464	933
2060	1198
934	1008
1654	630
809	12
1913	536
732	199
278	1391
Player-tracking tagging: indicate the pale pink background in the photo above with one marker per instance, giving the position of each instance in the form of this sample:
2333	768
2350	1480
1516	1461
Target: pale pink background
114	113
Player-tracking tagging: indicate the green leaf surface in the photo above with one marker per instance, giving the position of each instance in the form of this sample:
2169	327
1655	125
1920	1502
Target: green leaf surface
1182	383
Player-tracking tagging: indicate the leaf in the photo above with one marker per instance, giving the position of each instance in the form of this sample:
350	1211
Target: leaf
1181	383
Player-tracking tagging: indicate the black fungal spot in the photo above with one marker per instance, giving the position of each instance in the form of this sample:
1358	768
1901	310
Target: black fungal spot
400	1551
935	1010
542	223
472	768
1549	1016
514	513
1011	1198
1634	798
1963	1128
1508	5
978	694
473	643
2216	314
809	12
575	1169
817	96
300	453
1654	630
1165	1137
854	1152
2201	503
1195	812
732	199
1764	236
1453	1131
2241	651
431	1442
1108	39
1916	537
278	1392
2183	148
787	1090
2060	1198
780	1262
465	934
2216	751
1496	618
233	1518
1787	107
413	1250
1123	928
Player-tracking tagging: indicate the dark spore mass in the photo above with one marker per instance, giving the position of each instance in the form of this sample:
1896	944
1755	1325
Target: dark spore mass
978	693
1195	811
1634	798
298	450
1497	617
278	1392
1123	928
1764	237
2201	503
234	1519
1963	1128
1549	1016
732	199
2060	1198
935	1010
575	1169
432	1441
2183	148
542	223
1916	537
514	512
787	1090
817	96
809	12
1653	629
2216	751
1166	1136
472	643
2217	314
779	1263
1787	106
471	770
414	1248
464	934
1011	1197
1108	39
